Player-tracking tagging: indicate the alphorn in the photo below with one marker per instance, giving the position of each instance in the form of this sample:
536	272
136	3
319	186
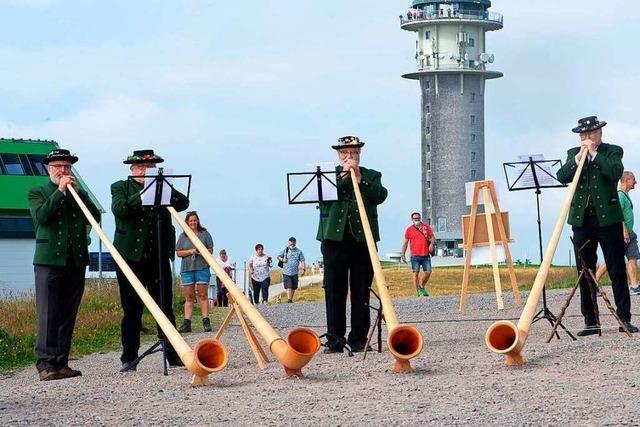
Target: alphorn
404	341
302	344
209	355
503	336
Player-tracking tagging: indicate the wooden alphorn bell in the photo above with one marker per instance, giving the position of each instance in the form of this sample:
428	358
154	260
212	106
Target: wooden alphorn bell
302	343
209	355
503	336
404	341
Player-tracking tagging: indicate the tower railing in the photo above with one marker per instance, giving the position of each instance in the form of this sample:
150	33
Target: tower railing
417	15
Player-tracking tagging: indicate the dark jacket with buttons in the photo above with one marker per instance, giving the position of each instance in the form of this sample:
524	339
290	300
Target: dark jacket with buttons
597	185
60	226
335	215
135	224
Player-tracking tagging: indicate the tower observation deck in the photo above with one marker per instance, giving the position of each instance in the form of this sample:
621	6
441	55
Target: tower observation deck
452	67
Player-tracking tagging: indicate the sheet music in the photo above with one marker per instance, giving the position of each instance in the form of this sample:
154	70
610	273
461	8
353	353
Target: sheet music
310	194
544	172
149	196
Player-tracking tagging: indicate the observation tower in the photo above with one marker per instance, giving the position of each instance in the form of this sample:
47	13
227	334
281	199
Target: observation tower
452	69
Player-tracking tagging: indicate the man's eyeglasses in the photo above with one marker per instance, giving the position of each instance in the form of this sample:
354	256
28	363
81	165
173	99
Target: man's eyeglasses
68	167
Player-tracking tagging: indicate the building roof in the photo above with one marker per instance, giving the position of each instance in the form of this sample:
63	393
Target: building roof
27	173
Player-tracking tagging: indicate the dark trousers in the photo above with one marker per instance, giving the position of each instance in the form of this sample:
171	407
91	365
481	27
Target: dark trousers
58	294
347	266
261	287
221	294
612	244
147	271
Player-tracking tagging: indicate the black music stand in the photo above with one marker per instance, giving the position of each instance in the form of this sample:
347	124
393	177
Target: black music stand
159	180
534	174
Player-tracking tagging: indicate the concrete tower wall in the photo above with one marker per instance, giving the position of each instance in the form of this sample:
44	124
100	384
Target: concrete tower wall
452	147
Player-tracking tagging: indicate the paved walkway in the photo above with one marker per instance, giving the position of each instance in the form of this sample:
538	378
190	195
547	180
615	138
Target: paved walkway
278	288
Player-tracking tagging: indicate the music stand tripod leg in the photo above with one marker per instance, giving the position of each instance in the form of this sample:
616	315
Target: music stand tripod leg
376	324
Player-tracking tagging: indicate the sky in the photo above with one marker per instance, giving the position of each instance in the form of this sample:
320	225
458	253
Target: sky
240	94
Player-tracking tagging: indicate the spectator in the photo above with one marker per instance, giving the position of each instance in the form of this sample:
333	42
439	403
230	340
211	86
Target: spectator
627	183
293	260
421	240
194	272
259	269
226	264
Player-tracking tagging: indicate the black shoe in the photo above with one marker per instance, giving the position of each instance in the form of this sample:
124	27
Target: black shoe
67	372
49	374
632	328
206	324
289	301
128	367
174	360
186	326
589	330
333	349
360	348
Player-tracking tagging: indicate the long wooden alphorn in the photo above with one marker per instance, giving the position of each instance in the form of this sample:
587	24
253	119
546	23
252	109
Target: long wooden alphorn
302	344
209	355
404	341
504	337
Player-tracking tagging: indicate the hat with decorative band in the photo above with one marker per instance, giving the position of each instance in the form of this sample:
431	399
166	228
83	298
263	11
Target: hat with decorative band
588	124
59	154
348	142
143	156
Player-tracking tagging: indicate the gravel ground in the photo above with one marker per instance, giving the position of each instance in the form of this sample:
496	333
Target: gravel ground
456	381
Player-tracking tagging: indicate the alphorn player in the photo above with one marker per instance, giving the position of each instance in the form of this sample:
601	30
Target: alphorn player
60	259
136	238
347	265
596	217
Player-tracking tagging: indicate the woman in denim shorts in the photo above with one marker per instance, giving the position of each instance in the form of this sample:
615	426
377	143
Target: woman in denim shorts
194	272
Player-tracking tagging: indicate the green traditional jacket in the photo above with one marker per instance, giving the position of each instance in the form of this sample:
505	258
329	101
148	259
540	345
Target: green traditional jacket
135	224
597	185
335	215
60	226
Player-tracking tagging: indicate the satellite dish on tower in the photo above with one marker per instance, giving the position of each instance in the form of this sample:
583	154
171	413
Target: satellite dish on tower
484	57
491	58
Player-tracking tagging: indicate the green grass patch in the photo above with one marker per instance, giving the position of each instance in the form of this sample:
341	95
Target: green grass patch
97	325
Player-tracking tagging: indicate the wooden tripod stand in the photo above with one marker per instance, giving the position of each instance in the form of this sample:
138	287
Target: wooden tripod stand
254	344
475	237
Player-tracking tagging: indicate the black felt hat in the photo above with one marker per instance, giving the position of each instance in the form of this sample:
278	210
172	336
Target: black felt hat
348	142
588	124
59	154
143	156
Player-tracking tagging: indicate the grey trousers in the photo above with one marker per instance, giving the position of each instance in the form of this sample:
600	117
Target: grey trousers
58	294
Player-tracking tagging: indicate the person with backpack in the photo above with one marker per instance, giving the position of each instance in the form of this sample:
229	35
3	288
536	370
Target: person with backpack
291	260
419	236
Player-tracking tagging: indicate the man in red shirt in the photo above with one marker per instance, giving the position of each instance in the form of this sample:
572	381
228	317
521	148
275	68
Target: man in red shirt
422	241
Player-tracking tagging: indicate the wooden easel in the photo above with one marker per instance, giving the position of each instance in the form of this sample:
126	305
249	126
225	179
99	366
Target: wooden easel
492	215
256	348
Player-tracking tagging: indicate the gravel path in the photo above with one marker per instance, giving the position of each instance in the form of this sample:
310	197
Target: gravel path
456	381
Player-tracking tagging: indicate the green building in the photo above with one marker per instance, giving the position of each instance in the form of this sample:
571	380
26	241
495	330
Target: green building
21	168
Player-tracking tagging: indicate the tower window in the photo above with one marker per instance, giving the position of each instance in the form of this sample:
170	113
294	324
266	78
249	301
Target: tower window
473	97
473	174
471	42
428	166
473	119
428	184
473	137
427	108
426	84
427	34
441	225
428	129
428	148
428	203
473	156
